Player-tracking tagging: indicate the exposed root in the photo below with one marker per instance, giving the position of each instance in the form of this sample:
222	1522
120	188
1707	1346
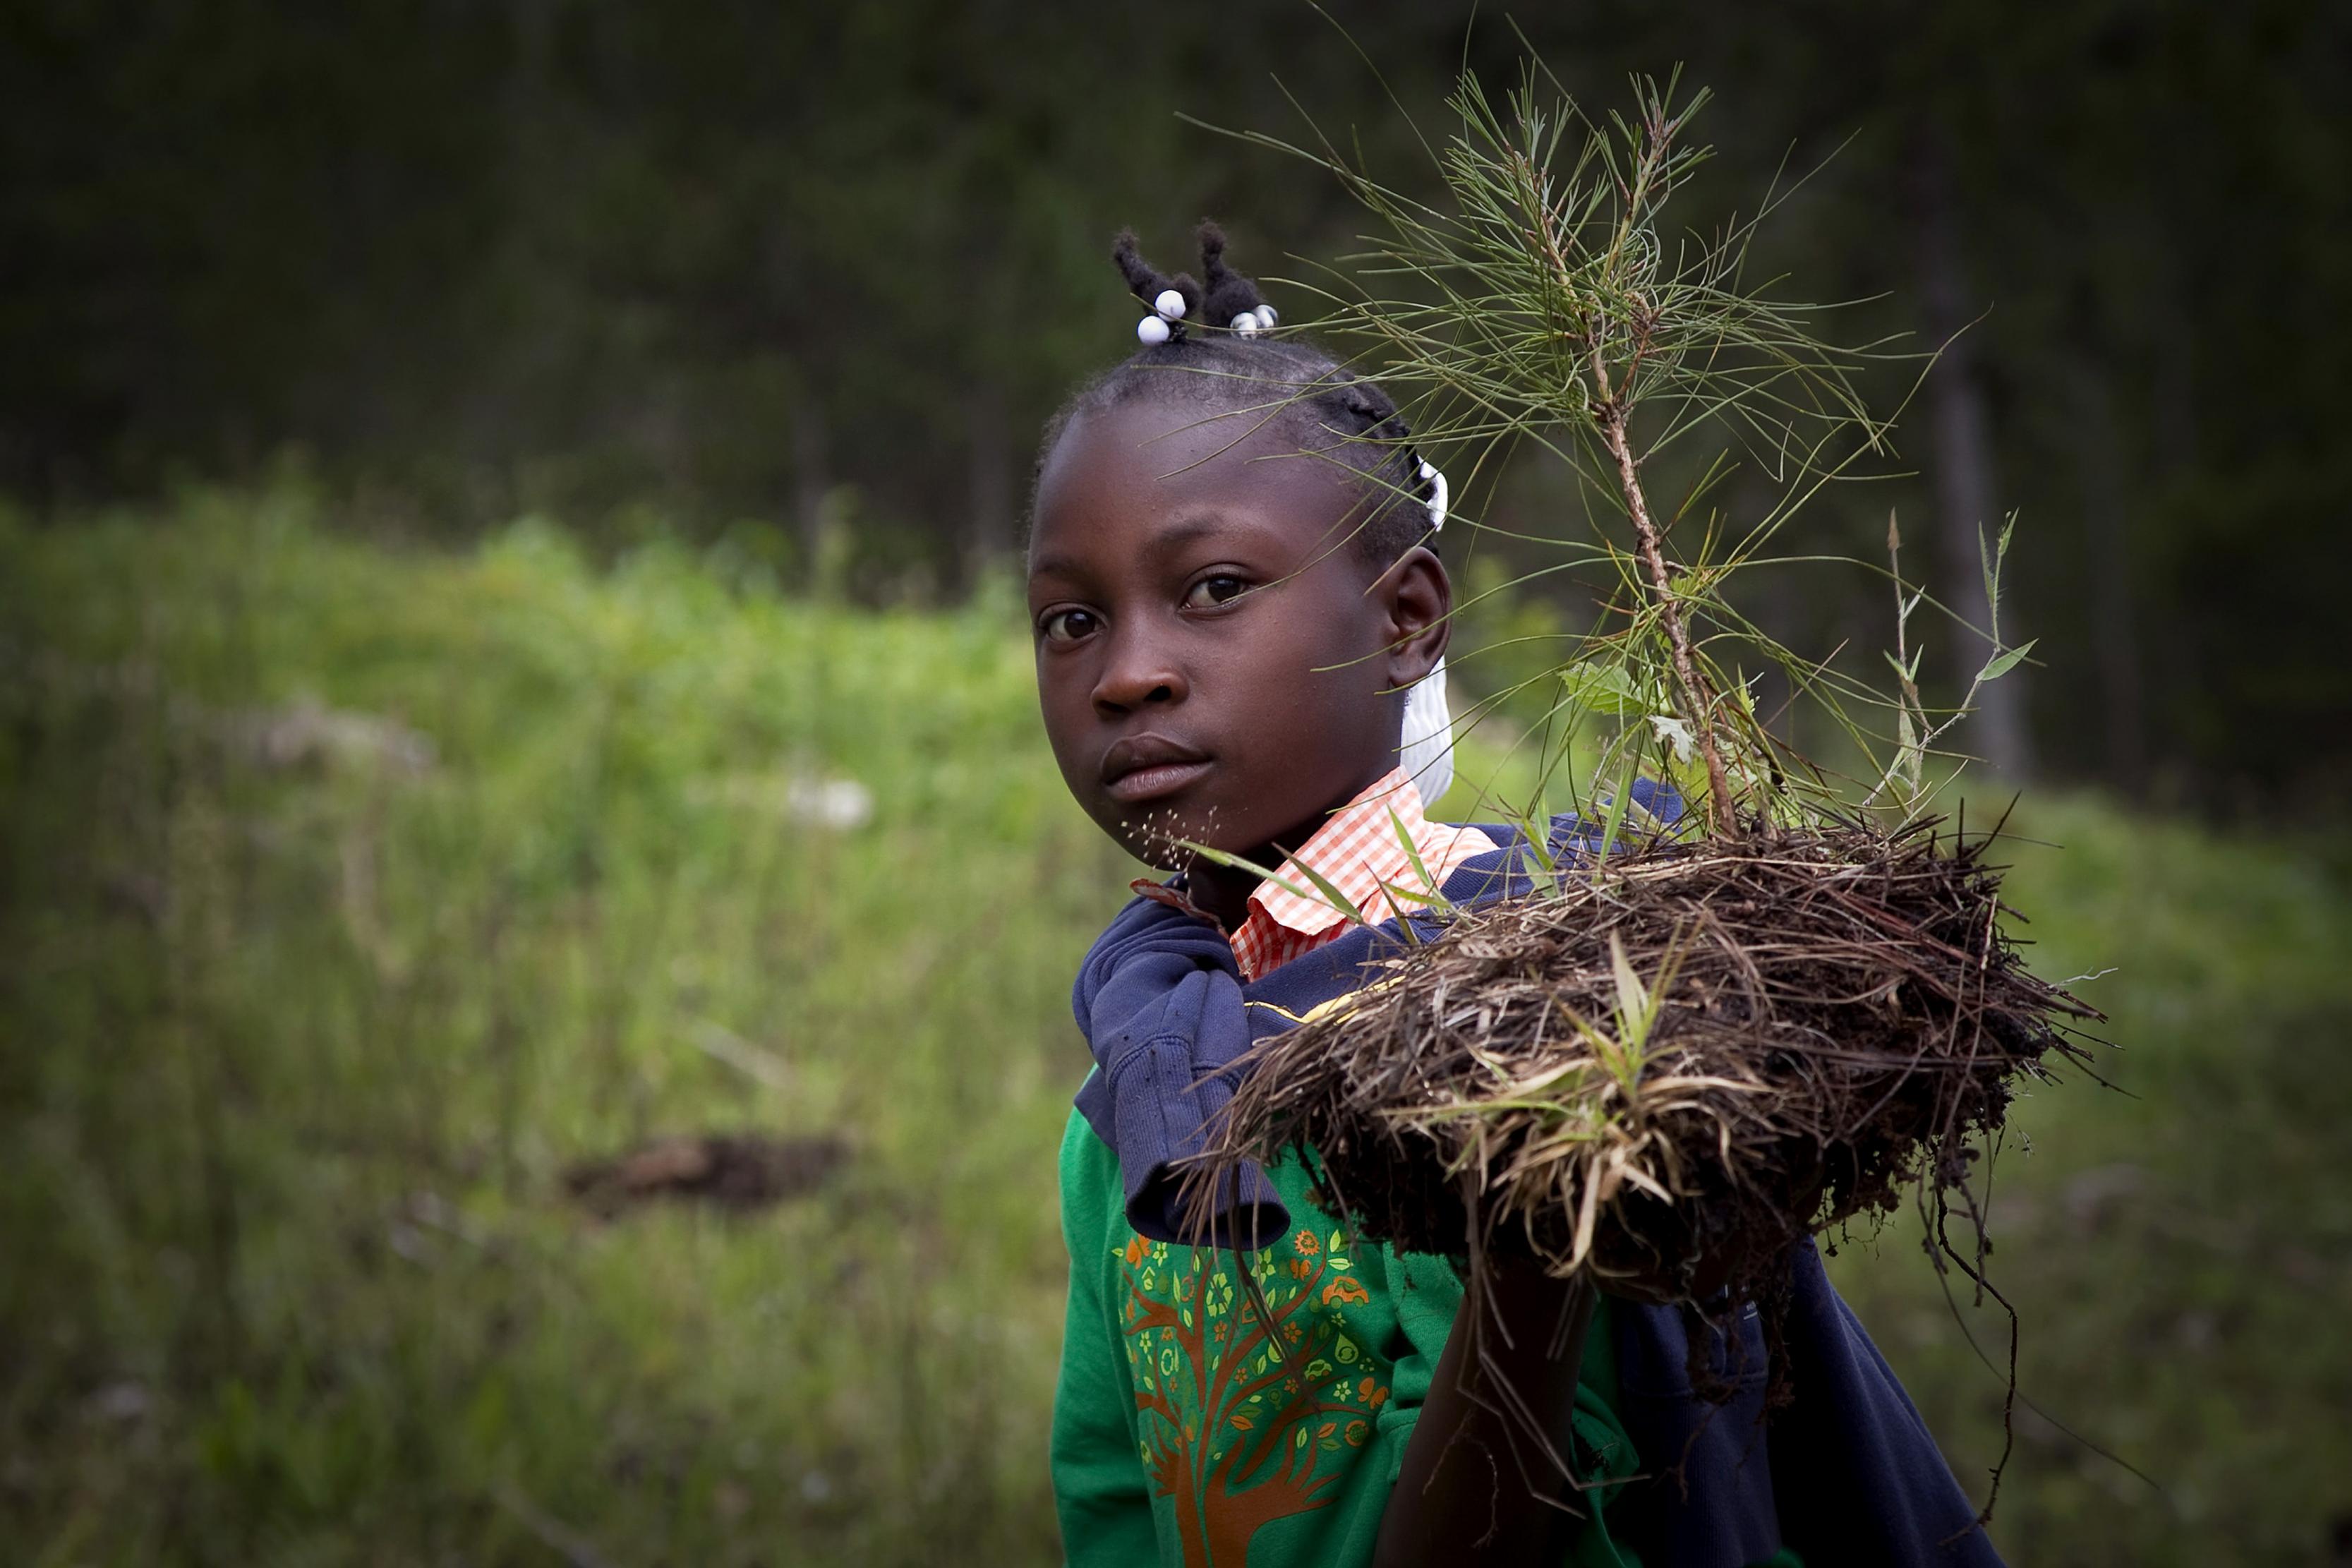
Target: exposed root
1663	1073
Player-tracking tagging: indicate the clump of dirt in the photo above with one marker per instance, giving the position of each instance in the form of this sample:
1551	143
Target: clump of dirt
739	1171
1663	1072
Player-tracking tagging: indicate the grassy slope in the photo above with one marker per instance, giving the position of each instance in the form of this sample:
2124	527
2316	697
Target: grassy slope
2179	1252
293	1052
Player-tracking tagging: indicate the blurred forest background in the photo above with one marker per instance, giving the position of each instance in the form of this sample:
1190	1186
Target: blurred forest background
513	706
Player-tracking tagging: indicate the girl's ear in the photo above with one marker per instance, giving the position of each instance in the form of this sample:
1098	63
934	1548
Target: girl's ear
1418	597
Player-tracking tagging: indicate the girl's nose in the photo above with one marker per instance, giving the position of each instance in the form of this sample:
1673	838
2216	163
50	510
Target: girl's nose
1137	672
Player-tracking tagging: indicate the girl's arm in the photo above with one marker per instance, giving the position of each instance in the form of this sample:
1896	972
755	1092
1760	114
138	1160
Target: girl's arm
1477	1488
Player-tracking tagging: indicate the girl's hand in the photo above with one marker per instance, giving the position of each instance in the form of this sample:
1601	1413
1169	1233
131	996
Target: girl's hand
1479	1486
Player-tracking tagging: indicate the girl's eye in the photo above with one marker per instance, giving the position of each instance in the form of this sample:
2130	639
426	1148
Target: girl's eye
1210	592
1068	626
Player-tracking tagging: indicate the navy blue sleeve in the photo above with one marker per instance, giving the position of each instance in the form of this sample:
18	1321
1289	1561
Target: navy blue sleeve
1705	1498
1857	1475
1161	1002
1846	1475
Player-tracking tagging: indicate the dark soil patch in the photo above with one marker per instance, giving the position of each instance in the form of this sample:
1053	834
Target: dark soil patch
731	1171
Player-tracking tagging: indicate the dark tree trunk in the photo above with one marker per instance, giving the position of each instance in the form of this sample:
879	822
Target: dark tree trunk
2104	482
1962	467
812	478
991	512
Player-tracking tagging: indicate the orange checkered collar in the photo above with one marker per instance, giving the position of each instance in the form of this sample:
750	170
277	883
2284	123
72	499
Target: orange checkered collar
1355	851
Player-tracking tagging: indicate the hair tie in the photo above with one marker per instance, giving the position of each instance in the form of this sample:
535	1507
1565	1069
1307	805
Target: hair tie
1426	747
1425	742
1436	483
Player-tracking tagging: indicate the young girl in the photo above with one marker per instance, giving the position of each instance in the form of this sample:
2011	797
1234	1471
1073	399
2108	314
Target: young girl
1241	622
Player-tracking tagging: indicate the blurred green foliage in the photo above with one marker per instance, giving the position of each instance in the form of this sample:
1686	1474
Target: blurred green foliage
753	265
2178	1248
349	894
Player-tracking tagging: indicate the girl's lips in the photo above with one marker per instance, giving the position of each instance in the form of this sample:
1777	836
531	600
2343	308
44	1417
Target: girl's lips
1155	782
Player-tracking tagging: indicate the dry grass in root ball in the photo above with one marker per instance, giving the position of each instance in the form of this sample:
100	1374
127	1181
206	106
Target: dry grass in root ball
1660	1073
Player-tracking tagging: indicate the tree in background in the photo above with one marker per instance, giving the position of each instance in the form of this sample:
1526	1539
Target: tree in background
762	272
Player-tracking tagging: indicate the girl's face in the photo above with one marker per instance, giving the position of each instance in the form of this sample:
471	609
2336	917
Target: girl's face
1215	660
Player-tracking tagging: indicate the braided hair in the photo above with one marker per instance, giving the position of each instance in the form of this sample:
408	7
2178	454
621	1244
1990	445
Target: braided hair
1234	367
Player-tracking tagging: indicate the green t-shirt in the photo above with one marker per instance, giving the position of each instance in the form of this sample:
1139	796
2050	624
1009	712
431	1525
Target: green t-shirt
1182	1437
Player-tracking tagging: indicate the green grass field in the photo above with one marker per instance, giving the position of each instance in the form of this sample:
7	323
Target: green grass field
352	895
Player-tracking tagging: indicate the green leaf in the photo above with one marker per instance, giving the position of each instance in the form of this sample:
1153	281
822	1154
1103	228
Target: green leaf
1414	896
2002	663
1910	756
1429	897
1618	800
1338	899
1675	733
1993	559
1991	566
1538	836
1240	863
1412	853
1632	997
1602	689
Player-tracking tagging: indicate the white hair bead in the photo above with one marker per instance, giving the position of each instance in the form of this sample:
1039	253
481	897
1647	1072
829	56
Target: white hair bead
1169	304
1267	318
1152	331
1247	325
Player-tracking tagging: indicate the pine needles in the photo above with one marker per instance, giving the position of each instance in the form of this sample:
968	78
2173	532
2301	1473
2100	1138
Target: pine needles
1546	304
1795	1001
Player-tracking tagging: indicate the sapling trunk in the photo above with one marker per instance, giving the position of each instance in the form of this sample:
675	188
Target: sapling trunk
1694	692
1612	407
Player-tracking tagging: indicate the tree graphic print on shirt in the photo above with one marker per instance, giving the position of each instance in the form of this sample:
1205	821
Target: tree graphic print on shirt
1236	1425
